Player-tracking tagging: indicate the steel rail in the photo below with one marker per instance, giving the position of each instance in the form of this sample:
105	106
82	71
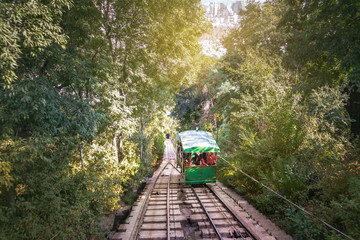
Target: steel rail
168	206
253	235
207	214
140	218
217	205
175	168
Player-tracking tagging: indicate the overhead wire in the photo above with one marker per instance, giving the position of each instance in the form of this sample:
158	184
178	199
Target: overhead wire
288	201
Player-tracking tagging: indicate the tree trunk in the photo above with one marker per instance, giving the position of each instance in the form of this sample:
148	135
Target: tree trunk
141	137
120	149
9	197
81	156
353	107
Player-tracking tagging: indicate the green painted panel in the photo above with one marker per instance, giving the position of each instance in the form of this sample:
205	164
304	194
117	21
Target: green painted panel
196	175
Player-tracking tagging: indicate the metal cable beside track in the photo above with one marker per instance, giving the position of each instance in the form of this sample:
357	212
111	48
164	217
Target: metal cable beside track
206	221
191	213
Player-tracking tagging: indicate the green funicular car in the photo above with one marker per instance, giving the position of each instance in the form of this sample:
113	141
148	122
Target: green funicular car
191	147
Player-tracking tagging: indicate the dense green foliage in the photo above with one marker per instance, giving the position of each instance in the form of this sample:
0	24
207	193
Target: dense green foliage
86	87
286	105
84	97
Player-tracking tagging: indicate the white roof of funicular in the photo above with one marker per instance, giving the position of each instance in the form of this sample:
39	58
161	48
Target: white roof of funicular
197	141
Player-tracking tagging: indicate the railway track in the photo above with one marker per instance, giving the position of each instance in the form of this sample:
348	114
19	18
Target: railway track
222	221
169	209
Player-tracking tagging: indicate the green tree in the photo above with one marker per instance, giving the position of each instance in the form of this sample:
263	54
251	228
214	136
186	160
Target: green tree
283	105
323	46
85	81
27	27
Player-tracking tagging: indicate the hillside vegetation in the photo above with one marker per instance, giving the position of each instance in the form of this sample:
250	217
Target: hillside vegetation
87	87
284	106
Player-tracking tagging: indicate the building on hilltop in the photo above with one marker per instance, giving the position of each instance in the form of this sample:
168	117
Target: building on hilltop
224	14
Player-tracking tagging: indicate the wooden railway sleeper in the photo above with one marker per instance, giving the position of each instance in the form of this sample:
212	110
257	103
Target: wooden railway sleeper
253	235
207	214
235	233
140	218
